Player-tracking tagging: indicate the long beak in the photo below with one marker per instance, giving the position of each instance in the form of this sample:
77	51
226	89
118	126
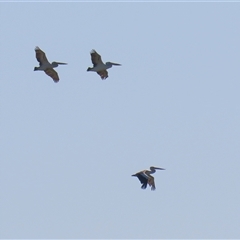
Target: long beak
116	64
159	168
61	63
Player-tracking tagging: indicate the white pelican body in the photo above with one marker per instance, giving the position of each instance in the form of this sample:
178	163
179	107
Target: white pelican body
146	179
99	66
46	66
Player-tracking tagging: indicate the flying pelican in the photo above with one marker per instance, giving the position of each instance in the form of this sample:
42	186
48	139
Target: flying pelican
45	66
146	179
99	66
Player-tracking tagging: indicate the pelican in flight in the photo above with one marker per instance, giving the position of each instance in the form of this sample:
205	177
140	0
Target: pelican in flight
146	179
45	66
99	66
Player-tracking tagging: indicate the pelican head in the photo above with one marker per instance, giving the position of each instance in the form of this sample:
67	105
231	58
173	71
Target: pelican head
55	64
154	168
110	64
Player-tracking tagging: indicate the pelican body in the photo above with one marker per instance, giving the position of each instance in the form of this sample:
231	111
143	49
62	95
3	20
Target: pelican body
145	177
99	66
46	66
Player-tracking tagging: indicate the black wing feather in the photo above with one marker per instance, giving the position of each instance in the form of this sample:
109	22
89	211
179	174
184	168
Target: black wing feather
143	180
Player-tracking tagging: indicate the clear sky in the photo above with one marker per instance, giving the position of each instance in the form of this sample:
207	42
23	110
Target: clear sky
68	149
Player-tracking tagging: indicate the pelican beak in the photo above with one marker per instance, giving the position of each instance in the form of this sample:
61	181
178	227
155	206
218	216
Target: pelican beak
116	64
61	63
159	168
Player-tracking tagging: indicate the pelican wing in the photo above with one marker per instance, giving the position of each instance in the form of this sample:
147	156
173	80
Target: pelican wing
103	74
52	73
151	183
96	58
41	56
143	180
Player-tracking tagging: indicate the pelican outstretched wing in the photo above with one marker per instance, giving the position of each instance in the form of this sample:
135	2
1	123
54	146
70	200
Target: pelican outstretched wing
41	56
103	74
52	73
96	58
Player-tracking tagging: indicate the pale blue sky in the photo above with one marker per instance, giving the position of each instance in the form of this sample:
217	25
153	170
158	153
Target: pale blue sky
68	150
